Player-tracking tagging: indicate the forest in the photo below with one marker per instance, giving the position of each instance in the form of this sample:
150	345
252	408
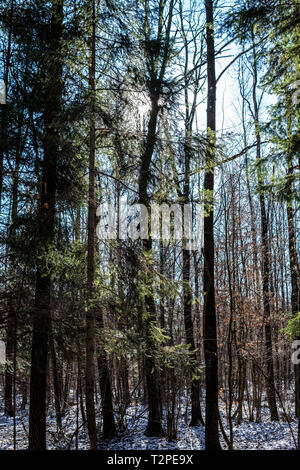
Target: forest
149	227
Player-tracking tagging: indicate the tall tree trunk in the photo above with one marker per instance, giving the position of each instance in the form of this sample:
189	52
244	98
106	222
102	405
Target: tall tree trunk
109	429
56	381
90	315
209	312
293	258
295	302
154	427
46	225
156	76
270	386
95	311
196	416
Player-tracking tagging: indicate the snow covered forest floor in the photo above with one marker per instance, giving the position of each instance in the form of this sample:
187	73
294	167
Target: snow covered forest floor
265	435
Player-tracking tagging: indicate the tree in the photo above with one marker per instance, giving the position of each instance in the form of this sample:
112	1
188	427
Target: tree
209	310
90	316
46	226
190	112
157	57
271	393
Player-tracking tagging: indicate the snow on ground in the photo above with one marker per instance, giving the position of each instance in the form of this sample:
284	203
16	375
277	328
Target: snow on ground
247	436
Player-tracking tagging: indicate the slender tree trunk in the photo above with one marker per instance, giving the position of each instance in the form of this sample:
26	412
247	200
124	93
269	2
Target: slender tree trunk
270	386
196	416
46	223
109	429
209	313
90	315
293	259
95	311
156	64
162	321
56	382
231	307
154	427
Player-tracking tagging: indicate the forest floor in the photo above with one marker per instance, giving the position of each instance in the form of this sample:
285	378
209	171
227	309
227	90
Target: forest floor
265	435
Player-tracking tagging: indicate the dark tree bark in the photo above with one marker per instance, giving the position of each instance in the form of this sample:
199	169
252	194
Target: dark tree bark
90	315
295	301
46	224
209	312
293	256
109	429
56	381
196	416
